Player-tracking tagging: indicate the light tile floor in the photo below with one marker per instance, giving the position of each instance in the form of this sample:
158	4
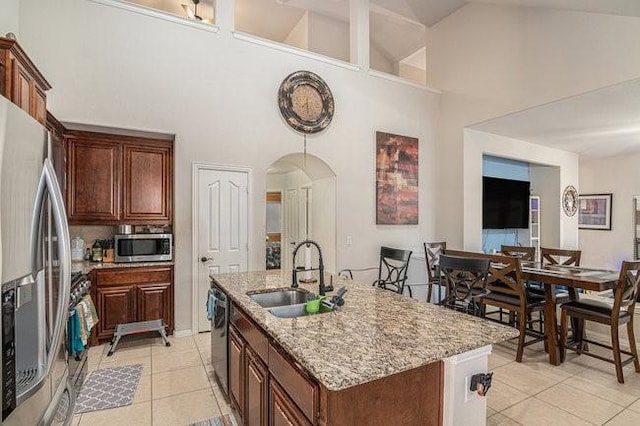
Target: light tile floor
178	388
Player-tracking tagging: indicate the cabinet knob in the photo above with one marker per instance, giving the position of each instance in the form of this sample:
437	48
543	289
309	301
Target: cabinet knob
204	259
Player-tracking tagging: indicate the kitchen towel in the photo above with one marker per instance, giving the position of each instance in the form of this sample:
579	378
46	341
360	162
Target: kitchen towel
211	305
73	331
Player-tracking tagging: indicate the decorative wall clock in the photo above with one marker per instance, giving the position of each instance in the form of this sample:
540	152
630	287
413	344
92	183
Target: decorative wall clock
570	201
306	102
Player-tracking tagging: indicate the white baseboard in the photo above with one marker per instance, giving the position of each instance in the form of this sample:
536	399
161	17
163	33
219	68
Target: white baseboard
183	333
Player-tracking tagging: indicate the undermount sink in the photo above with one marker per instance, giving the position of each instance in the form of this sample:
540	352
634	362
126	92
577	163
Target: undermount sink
294	311
281	298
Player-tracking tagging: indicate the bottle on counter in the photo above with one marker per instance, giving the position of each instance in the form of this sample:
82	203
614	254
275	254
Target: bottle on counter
87	254
96	251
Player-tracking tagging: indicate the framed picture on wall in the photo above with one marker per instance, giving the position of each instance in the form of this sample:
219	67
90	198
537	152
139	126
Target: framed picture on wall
594	211
396	179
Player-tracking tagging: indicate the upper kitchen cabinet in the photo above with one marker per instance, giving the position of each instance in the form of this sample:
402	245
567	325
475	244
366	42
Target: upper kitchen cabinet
20	80
93	187
147	183
119	179
58	153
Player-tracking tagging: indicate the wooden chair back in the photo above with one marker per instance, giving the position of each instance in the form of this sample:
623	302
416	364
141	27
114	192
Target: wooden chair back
505	273
554	256
432	252
626	292
522	252
393	268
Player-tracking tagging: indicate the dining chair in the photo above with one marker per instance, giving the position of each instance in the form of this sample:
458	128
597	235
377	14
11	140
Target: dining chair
464	279
562	257
527	253
613	312
432	252
507	290
392	270
522	252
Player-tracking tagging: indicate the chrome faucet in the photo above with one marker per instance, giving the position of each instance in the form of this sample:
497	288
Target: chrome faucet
294	283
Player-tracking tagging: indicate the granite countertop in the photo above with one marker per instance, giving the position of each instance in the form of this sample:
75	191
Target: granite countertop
375	334
85	267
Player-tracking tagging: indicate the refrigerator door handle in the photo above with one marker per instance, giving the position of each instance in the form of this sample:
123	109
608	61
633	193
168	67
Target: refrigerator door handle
49	184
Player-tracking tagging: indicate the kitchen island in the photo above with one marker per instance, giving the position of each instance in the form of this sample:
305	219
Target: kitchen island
381	358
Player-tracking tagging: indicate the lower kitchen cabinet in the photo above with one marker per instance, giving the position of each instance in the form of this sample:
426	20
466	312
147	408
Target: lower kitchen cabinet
265	388
115	305
282	409
154	301
236	372
257	395
133	294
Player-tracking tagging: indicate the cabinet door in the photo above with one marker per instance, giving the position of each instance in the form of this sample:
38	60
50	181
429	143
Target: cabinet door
282	410
115	305
93	190
147	183
59	159
257	393
21	86
38	104
155	301
236	371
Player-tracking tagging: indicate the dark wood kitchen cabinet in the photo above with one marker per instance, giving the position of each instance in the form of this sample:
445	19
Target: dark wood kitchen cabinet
282	409
132	294
21	82
265	387
236	372
115	305
257	380
119	179
58	151
147	183
93	191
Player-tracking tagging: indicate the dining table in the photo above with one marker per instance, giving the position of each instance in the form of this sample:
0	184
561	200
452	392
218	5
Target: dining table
572	277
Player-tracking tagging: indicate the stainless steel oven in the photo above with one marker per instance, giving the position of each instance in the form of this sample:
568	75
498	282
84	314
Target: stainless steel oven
143	247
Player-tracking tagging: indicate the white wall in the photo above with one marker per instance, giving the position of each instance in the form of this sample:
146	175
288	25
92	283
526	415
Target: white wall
619	176
545	182
490	60
218	95
477	144
380	61
328	36
299	35
9	17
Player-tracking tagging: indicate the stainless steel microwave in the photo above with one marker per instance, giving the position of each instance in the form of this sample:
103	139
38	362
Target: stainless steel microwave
143	248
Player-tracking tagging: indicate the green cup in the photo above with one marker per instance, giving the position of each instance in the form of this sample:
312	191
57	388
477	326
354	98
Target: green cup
313	306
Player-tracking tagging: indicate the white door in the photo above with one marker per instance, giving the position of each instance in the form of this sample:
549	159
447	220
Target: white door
222	229
291	226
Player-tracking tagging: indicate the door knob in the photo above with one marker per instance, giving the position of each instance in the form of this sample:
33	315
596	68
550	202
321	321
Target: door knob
204	259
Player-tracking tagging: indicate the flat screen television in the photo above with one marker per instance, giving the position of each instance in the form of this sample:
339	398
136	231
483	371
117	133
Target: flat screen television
505	203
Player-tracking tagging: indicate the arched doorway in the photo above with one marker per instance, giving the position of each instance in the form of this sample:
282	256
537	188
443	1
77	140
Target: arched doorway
301	203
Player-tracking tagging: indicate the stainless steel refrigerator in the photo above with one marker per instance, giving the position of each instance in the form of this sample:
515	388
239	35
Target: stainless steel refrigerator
36	272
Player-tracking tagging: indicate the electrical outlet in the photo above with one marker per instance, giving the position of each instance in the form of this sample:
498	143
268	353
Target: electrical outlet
349	240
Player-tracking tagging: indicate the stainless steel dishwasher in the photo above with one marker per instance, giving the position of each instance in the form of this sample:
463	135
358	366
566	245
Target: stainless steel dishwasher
219	332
